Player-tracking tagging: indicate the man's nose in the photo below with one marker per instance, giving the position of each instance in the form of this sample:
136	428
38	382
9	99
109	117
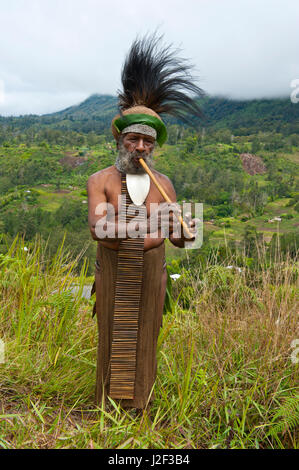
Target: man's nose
140	145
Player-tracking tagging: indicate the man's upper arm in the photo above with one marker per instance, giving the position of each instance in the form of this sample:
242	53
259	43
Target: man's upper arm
96	195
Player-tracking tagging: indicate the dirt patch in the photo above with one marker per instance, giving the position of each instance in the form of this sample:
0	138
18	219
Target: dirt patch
72	161
252	164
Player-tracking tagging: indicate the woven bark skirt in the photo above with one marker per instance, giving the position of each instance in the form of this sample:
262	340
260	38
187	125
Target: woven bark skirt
150	320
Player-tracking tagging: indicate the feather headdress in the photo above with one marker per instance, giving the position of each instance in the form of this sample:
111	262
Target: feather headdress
155	81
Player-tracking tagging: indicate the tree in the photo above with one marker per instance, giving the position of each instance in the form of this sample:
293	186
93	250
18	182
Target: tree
255	145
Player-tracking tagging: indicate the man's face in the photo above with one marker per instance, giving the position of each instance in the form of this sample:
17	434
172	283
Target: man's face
131	147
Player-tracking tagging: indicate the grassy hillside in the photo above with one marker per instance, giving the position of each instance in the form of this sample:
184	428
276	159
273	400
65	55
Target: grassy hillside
43	189
226	378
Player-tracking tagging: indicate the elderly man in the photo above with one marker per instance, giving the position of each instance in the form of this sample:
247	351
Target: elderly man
130	220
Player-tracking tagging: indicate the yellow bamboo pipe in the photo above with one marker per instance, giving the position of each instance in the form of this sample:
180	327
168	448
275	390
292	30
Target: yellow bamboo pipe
159	187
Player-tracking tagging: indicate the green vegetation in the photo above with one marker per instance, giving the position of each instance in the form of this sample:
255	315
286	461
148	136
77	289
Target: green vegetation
225	375
43	185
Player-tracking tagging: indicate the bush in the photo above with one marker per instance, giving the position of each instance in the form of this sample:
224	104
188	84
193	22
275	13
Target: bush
225	210
208	213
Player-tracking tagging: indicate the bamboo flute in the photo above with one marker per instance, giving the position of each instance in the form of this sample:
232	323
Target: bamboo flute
167	199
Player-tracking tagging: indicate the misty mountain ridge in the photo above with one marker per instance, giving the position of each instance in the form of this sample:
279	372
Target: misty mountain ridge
96	112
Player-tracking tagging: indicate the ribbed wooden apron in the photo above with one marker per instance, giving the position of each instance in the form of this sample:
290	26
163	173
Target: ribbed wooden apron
127	303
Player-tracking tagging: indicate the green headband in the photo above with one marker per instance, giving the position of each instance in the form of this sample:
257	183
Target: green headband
121	123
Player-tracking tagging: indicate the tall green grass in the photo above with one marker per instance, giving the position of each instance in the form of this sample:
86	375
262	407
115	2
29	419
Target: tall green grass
225	376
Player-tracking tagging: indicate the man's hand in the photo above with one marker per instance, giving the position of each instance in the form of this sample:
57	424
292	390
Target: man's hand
163	219
179	237
192	225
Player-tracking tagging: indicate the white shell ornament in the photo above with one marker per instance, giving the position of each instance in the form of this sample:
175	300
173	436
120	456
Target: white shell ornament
138	187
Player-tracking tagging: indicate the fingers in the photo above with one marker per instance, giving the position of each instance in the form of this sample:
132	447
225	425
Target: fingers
189	221
194	223
171	210
167	218
187	218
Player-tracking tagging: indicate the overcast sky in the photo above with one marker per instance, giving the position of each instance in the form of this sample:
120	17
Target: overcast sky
55	53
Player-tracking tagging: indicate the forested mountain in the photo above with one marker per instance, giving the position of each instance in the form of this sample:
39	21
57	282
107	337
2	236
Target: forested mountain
241	117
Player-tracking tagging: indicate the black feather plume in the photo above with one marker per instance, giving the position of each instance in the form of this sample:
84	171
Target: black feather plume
153	76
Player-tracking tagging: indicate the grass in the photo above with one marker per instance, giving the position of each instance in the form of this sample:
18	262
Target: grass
51	200
225	376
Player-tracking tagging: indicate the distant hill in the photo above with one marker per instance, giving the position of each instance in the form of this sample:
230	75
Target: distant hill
241	117
278	115
94	106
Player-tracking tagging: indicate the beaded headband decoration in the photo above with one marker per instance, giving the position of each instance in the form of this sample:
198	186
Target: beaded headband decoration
141	129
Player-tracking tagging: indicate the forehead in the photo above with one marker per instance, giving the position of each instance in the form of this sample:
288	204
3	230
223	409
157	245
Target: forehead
138	136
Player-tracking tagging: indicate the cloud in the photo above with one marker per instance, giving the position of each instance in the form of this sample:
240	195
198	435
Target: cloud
18	103
54	53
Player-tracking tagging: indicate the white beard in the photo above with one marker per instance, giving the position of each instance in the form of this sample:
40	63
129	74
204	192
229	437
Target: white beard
124	162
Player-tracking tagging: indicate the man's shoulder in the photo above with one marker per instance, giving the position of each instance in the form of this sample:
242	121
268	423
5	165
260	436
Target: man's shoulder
166	184
102	175
162	178
102	180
